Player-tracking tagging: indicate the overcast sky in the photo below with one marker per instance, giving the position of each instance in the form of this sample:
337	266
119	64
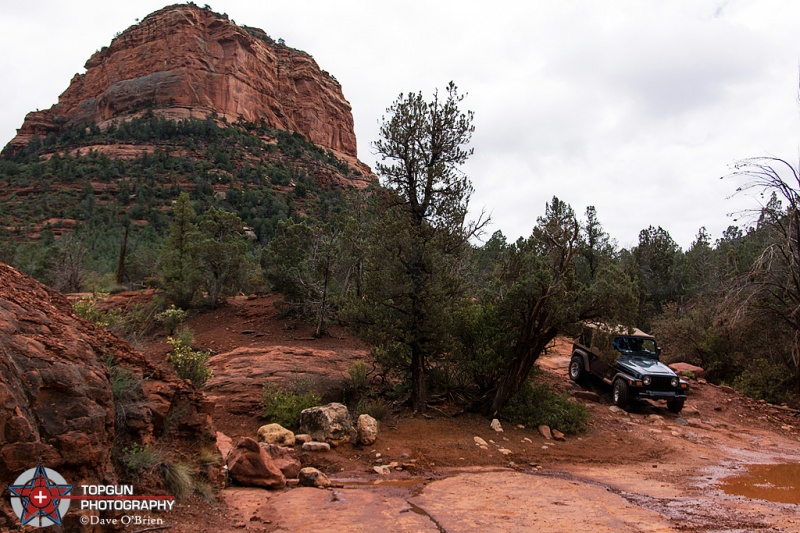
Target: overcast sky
636	107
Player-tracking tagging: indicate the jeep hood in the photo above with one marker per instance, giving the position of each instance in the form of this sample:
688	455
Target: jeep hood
644	366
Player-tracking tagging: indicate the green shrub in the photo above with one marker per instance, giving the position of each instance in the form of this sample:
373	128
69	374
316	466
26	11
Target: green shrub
358	375
171	318
189	363
376	408
764	380
538	404
283	406
138	459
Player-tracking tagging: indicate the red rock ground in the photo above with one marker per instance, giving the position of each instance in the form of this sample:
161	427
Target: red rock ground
641	470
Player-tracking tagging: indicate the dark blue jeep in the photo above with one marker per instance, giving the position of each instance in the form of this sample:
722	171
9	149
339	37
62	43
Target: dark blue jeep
628	360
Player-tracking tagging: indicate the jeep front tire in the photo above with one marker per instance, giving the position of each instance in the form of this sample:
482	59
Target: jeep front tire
674	406
620	393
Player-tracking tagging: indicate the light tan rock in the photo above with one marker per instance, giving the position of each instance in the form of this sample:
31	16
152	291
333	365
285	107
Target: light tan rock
276	434
311	477
367	430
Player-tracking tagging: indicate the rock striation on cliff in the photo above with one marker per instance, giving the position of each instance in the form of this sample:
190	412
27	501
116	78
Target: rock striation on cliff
185	61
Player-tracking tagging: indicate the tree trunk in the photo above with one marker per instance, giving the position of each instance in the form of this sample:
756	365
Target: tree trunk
419	391
526	352
122	252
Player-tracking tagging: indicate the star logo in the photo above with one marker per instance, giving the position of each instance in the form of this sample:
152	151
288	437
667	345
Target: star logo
38	497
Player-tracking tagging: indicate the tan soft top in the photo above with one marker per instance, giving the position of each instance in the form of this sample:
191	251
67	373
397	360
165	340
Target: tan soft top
619	330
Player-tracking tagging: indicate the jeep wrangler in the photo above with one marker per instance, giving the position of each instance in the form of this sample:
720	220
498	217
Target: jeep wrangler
628	360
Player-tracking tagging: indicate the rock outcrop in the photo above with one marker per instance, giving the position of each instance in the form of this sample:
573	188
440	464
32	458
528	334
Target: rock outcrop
185	61
58	408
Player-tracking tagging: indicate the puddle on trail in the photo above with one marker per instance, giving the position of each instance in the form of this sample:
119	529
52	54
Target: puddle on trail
775	483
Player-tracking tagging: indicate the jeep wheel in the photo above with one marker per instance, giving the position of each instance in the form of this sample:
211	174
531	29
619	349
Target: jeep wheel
674	406
620	393
576	370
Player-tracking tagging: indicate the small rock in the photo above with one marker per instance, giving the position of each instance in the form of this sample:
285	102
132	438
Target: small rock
302	438
526	439
786	428
316	447
615	409
702	381
496	425
505	451
383	470
586	395
479	441
377	455
654	417
545	431
558	435
484	447
520	426
681	421
725	388
311	477
404	456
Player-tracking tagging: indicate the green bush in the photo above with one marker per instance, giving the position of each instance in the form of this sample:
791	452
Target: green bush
538	404
171	318
376	408
764	380
283	406
189	363
358	375
138	459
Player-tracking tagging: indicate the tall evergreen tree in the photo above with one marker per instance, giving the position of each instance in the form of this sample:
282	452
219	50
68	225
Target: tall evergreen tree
180	267
411	279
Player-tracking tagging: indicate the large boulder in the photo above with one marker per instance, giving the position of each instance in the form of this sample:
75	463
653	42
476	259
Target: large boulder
249	464
686	369
367	429
276	434
328	423
284	458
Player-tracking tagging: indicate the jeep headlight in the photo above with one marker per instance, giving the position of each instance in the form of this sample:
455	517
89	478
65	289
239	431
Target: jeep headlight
674	382
647	381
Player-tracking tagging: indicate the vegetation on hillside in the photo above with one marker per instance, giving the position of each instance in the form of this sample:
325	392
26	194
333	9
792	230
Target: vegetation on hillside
210	209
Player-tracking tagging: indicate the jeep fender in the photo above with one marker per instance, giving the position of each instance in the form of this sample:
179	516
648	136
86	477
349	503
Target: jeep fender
626	377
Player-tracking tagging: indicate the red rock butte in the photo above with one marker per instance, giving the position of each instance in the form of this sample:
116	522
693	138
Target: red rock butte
184	61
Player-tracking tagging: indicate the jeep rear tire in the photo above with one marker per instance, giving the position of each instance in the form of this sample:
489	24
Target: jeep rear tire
674	406
576	371
620	393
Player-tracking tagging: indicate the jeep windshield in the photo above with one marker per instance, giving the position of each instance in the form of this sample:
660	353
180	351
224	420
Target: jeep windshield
636	346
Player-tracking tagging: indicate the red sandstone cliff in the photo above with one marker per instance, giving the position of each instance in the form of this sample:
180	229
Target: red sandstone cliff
186	61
